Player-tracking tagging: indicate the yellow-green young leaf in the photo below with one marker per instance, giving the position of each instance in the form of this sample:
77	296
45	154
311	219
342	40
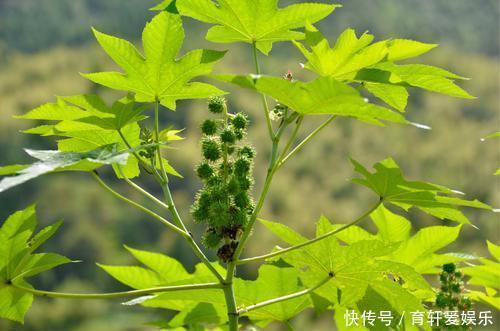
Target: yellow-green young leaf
14	303
400	49
494	250
159	76
56	161
423	76
253	21
388	182
324	95
394	95
18	263
168	5
391	227
348	55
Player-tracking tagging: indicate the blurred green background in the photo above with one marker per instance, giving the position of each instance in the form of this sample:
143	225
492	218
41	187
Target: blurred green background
44	44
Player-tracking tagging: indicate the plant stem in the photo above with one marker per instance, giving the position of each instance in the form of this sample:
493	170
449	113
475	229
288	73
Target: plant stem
306	140
264	99
232	310
144	192
285	297
117	294
288	145
312	241
138	206
163	174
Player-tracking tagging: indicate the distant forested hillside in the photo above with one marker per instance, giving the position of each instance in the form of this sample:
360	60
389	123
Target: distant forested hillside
465	24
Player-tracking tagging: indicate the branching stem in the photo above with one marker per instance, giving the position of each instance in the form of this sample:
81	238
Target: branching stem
113	295
285	297
138	206
264	99
312	241
306	140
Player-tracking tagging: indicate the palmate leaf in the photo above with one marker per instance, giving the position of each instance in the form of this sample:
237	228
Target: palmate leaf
390	185
86	123
356	268
253	21
162	270
359	60
18	262
487	276
324	95
159	76
56	161
247	293
418	250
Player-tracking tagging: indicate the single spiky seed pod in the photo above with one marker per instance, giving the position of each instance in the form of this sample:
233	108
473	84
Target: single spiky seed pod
240	121
216	104
242	200
455	288
204	171
245	183
242	167
211	238
233	186
209	127
239	134
449	268
239	218
210	149
441	300
230	149
199	212
227	136
247	151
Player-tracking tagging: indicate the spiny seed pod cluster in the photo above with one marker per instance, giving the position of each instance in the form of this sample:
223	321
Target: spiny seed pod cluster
450	296
224	203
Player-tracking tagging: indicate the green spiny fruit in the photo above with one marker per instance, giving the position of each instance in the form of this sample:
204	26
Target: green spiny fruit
210	149
227	136
240	121
204	171
216	104
209	127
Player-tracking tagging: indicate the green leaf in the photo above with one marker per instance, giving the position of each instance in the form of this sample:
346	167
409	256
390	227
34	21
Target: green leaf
349	54
253	21
400	49
417	251
87	123
391	227
14	303
394	95
199	314
161	270
168	5
158	76
388	182
55	161
324	95
355	267
423	76
18	263
494	250
265	288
